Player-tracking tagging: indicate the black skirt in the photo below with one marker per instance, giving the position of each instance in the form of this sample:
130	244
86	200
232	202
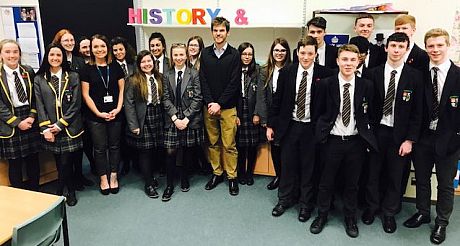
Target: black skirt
151	135
248	134
22	143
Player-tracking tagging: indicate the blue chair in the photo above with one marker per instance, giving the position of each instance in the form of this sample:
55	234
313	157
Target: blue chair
44	229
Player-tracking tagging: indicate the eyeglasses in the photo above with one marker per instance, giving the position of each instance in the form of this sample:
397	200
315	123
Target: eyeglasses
194	45
246	54
279	50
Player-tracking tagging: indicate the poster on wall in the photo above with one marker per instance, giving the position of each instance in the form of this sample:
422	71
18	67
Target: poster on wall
21	24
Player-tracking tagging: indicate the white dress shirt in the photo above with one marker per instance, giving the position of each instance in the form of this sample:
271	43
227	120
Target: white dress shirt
322	55
300	71
276	74
390	119
220	52
160	66
339	129
442	73
12	86
149	89
408	51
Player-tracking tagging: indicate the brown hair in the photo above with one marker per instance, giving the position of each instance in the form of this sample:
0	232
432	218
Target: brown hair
364	16
220	21
201	47
108	58
57	38
405	19
270	65
308	40
348	47
437	32
139	81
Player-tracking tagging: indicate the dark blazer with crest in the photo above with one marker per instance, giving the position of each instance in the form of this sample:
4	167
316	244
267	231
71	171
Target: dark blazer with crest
8	121
418	59
448	128
362	103
408	102
191	98
68	116
250	90
280	114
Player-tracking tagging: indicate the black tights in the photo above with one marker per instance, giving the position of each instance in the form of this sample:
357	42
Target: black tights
67	166
147	158
171	156
250	154
33	172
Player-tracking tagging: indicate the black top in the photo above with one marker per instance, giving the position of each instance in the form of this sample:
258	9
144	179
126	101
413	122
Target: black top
95	76
220	77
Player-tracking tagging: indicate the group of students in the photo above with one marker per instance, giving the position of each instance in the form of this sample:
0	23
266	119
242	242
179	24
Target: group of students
355	115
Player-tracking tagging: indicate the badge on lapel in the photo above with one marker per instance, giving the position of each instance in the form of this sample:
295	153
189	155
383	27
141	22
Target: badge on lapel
410	61
254	87
406	95
365	105
190	93
24	75
454	101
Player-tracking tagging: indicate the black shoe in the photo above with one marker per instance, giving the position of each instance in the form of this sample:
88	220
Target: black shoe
351	227
318	224
417	220
279	209
438	234
155	183
241	180
104	192
389	224
249	181
274	183
86	182
71	199
213	182
184	185
304	214
150	191
233	187
115	190
167	193
368	217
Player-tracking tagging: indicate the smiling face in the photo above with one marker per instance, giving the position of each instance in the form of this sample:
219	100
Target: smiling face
279	53
146	64
119	51
84	48
364	27
156	47
246	56
193	48
219	34
179	56
68	42
348	62
437	48
55	57
10	55
306	55
99	48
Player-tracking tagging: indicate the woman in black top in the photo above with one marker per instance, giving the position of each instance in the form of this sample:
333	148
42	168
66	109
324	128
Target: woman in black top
102	88
58	95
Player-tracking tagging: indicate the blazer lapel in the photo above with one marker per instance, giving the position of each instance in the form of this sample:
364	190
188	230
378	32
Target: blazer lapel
185	81
448	86
359	85
380	79
335	92
292	82
429	92
401	83
27	81
4	82
172	82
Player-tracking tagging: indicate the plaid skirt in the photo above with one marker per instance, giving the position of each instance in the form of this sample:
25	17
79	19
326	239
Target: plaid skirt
22	143
175	138
62	143
152	134
247	135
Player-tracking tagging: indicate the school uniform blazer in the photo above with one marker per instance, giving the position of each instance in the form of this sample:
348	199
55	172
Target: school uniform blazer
408	102
280	114
377	56
166	65
448	128
191	98
250	90
264	95
418	59
8	121
330	59
68	116
77	63
363	93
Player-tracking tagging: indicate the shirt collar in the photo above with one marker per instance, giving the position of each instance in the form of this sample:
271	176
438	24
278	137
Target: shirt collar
123	62
160	58
444	67
223	47
398	69
10	71
342	81
309	70
177	70
58	74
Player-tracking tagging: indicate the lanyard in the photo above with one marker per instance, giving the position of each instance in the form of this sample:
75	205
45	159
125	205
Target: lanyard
106	82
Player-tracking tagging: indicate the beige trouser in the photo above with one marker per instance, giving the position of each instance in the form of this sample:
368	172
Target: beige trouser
223	128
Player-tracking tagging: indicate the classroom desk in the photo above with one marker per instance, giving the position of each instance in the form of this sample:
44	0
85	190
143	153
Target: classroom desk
18	206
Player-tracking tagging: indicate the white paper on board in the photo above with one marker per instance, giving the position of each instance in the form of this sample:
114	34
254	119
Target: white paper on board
27	30
29	45
8	22
30	59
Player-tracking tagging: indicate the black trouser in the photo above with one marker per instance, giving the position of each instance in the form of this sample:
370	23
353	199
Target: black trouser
249	154
276	158
33	172
65	163
88	146
298	158
350	154
106	141
171	157
391	164
147	159
425	157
